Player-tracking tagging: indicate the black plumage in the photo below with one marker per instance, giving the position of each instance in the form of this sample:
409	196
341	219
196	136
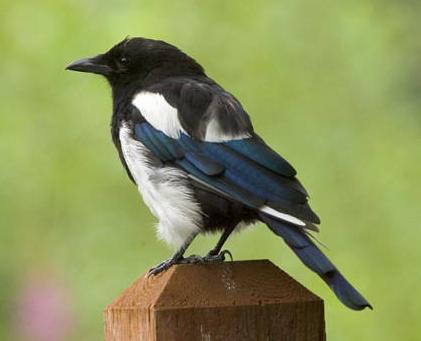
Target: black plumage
190	147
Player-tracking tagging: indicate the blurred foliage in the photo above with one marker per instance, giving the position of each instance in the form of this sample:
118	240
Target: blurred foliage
334	86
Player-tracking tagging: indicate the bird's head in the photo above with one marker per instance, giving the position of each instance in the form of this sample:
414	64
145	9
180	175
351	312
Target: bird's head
139	60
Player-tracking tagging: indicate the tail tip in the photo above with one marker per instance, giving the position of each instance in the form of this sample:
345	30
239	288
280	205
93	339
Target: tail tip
361	306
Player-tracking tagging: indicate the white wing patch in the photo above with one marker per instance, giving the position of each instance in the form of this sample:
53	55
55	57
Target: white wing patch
164	117
286	217
214	133
164	191
159	113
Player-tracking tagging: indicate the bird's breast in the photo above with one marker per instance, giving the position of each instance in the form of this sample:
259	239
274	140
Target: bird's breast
165	190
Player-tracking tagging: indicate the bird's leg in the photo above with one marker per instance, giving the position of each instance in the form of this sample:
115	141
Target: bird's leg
216	254
177	258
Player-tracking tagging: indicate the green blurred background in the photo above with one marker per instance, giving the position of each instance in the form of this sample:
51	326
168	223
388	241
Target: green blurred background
333	86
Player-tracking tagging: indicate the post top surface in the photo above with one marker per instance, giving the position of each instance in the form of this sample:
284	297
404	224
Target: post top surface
237	283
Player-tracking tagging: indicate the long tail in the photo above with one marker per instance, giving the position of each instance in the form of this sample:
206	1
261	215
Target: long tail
314	259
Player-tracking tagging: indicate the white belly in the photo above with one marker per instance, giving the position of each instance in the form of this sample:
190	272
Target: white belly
164	191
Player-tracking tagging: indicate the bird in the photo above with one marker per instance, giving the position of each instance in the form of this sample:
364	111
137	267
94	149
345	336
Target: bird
190	148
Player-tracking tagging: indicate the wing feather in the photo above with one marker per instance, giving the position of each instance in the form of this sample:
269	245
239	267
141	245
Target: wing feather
226	171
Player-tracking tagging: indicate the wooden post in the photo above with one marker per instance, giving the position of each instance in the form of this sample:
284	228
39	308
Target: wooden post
247	300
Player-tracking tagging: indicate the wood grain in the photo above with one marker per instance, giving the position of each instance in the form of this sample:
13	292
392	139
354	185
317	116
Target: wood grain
247	300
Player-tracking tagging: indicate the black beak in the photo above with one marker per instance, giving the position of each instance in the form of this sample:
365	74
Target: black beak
92	65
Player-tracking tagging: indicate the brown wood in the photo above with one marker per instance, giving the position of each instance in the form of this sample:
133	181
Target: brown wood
247	300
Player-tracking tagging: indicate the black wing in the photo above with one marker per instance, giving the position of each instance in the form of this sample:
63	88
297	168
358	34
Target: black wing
244	170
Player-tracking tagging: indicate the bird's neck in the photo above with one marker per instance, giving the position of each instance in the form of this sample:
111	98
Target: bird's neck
122	96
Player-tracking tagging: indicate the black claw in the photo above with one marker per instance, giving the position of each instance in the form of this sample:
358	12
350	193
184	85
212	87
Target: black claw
227	252
159	268
165	265
220	257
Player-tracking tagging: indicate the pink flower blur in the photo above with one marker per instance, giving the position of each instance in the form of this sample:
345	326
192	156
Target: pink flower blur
44	312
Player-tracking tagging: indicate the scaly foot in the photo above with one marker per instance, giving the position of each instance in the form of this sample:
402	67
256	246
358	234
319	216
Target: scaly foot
165	265
193	259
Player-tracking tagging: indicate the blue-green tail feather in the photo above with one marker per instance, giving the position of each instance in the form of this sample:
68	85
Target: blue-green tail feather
302	245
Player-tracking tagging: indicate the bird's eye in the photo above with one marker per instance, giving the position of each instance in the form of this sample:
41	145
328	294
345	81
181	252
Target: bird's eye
124	60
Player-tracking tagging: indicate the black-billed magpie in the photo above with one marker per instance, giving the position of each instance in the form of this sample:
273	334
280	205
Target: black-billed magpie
190	148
